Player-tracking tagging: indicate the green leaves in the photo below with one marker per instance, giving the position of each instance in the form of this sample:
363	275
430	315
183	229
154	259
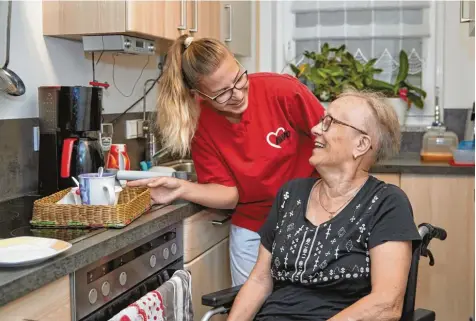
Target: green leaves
403	70
334	68
416	100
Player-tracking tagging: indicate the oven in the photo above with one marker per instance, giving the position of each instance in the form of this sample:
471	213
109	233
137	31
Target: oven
102	289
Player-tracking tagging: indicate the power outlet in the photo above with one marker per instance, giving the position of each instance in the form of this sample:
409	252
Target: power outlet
131	129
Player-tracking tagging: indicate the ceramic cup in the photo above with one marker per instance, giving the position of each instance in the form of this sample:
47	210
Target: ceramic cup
97	190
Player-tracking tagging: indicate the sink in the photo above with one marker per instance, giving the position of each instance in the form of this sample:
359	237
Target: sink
183	165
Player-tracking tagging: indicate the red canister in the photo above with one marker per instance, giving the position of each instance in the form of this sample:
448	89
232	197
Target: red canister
118	158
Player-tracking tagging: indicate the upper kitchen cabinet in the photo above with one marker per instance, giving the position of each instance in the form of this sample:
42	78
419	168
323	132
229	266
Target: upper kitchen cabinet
157	19
204	18
236	22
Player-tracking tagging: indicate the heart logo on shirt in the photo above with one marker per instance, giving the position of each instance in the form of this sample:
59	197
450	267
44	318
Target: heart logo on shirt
275	134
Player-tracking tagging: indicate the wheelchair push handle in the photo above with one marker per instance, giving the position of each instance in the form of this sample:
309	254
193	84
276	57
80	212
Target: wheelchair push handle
430	231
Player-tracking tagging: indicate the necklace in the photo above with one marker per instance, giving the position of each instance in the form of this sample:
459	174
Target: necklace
332	213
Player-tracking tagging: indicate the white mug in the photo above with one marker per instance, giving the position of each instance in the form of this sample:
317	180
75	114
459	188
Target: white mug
97	190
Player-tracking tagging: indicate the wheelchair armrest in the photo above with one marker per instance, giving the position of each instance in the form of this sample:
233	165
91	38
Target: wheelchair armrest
221	298
421	315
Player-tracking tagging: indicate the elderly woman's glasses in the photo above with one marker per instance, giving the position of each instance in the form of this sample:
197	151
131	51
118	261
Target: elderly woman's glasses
327	121
227	94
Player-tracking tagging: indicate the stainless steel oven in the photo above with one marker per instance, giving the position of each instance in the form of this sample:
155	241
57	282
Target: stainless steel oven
102	289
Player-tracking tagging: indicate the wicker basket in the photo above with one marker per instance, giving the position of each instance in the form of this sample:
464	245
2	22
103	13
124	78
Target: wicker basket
132	203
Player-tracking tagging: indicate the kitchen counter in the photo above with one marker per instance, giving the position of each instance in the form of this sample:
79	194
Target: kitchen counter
410	163
16	282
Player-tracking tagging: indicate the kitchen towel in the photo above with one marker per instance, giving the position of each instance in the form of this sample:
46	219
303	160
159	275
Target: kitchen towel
177	297
172	301
148	308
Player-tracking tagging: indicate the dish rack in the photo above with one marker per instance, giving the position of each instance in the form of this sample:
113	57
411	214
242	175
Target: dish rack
132	203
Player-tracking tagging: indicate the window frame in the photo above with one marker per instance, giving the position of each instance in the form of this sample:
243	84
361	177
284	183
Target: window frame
283	51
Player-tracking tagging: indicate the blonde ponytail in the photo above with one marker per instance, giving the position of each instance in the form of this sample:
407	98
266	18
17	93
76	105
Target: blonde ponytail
177	110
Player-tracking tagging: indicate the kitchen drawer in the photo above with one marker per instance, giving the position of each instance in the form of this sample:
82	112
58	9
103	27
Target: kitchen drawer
200	234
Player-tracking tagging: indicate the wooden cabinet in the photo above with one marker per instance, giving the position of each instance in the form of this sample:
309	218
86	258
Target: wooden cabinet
149	18
210	272
51	302
236	23
448	202
158	19
204	19
62	18
206	256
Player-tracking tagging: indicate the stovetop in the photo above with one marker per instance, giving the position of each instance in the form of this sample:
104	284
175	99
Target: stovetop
15	216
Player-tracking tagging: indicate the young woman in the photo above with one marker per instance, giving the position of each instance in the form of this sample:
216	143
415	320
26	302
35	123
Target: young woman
247	135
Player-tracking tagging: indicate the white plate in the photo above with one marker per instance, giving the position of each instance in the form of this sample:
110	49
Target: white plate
28	250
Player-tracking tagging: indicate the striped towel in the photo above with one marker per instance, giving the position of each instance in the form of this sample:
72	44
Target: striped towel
177	297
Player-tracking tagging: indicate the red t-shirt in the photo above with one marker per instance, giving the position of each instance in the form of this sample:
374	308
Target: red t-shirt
270	146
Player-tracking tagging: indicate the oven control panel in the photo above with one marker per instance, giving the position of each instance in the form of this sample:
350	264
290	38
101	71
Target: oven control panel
102	281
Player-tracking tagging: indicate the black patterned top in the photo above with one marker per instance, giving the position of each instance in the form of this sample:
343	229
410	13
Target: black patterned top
320	270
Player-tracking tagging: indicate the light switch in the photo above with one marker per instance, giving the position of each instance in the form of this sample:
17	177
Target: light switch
36	138
131	129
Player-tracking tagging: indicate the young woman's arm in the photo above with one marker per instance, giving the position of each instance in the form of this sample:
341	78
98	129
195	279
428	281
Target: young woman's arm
164	190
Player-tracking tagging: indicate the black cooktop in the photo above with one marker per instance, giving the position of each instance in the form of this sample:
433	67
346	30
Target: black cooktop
15	216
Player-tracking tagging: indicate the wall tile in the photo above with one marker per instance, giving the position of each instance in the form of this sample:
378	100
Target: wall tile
18	161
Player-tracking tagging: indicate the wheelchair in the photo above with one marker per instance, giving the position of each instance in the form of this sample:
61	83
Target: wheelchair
222	301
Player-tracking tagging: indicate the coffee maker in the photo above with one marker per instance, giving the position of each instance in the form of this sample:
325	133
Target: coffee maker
70	125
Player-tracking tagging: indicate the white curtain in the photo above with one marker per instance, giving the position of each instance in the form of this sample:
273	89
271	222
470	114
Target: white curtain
369	29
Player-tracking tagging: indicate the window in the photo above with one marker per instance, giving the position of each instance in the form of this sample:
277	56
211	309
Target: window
369	29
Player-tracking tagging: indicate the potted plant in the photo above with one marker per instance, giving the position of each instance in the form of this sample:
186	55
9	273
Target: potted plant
329	72
401	93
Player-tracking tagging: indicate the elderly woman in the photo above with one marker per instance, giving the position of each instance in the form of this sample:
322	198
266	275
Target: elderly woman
338	247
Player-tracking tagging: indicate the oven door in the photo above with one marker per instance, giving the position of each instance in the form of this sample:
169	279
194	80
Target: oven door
115	306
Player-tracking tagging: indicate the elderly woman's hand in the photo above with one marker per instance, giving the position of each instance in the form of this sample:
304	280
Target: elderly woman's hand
389	273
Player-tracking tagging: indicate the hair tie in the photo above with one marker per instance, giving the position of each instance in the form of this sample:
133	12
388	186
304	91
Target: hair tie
187	42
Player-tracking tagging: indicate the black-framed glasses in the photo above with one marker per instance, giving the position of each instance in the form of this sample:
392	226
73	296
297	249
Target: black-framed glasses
224	96
327	121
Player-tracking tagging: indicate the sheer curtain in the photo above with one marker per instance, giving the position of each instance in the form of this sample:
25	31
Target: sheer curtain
373	29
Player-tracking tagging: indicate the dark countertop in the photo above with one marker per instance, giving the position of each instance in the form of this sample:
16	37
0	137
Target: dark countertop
16	282
410	163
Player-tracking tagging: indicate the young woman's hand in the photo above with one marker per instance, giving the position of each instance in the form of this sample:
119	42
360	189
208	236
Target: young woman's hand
163	190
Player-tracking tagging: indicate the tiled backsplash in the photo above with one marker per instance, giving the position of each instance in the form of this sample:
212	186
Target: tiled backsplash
19	163
135	147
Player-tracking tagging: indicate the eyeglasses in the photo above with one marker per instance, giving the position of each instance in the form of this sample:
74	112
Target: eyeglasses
327	121
224	96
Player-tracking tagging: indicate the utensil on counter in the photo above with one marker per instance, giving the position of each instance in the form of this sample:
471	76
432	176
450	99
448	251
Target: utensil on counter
75	181
135	175
100	171
10	82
